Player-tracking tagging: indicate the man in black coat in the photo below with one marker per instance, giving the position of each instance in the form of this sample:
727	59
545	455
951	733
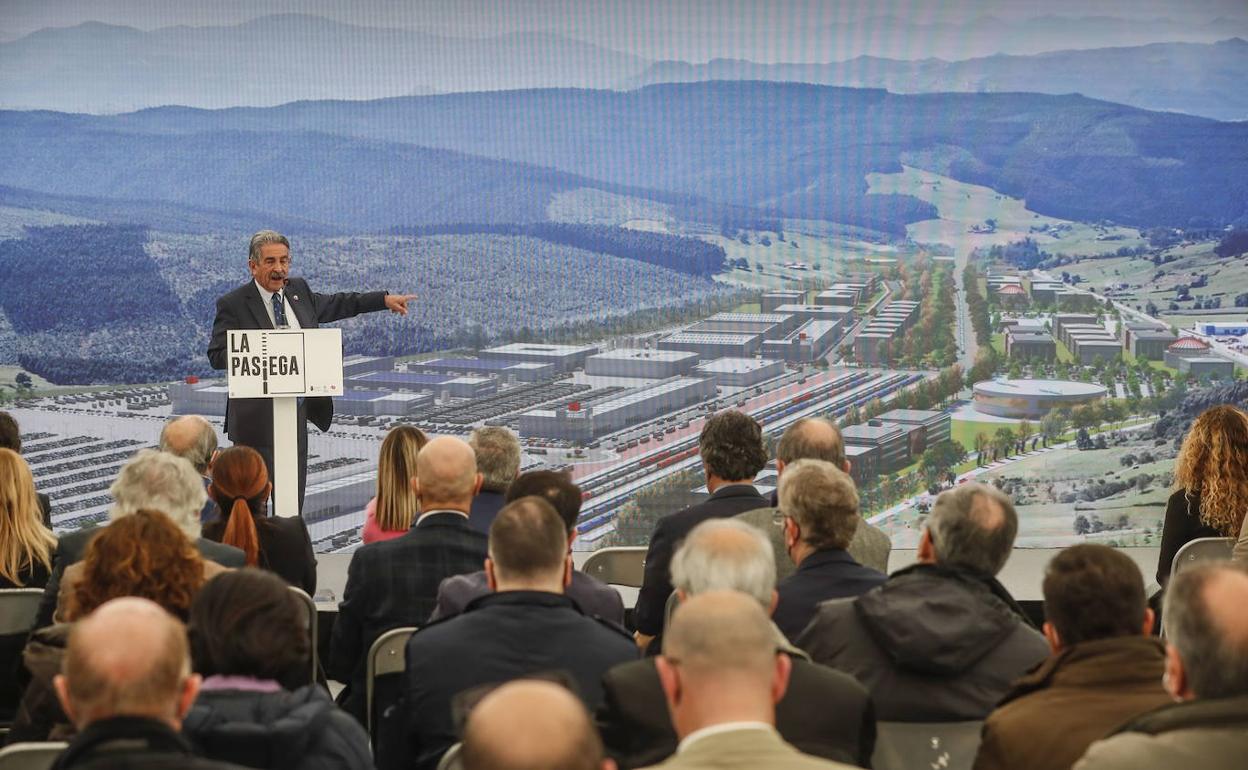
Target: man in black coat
273	300
824	713
732	450
527	627
394	583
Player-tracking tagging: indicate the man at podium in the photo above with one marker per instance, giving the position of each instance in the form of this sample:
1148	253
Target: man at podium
272	299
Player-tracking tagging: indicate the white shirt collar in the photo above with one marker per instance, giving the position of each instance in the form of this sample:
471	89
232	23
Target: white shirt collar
425	514
724	727
265	294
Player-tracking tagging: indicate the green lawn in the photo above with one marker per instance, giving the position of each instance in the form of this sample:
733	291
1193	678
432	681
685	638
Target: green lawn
998	343
963	431
1063	352
1129	357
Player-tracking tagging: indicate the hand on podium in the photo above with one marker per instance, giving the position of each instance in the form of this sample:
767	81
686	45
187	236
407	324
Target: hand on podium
397	303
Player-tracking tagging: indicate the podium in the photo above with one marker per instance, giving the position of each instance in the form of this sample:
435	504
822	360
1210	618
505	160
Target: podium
284	365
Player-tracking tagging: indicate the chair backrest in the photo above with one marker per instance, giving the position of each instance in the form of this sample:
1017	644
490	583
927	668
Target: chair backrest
673	601
620	566
18	607
309	607
31	756
924	745
331	574
450	760
1203	549
384	657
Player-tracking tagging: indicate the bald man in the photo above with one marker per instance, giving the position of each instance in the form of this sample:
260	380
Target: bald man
531	724
126	686
395	583
1206	673
193	438
722	677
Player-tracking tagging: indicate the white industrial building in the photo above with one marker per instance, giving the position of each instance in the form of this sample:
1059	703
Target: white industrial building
639	362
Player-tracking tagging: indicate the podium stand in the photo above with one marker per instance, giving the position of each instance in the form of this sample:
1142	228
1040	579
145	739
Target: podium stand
284	365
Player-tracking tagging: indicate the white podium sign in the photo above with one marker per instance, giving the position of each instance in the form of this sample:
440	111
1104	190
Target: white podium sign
283	365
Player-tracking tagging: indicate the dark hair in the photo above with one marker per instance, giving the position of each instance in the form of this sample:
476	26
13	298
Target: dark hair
557	489
247	622
804	441
731	445
528	538
10	434
1093	592
239	482
1215	659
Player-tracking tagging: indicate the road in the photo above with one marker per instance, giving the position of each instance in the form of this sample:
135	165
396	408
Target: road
965	332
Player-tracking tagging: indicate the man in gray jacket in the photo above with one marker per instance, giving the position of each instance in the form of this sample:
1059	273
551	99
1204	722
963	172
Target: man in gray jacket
1206	671
943	640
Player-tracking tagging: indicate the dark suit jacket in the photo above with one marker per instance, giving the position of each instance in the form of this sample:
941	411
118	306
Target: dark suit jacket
285	548
485	506
71	546
823	575
498	638
657	583
394	583
250	420
132	743
824	713
45	508
594	598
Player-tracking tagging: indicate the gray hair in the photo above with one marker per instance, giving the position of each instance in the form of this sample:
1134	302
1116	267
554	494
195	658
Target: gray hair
966	530
823	501
263	238
726	555
1215	658
498	456
198	452
159	481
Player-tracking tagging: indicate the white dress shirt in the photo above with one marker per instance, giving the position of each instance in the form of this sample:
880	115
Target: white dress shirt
291	321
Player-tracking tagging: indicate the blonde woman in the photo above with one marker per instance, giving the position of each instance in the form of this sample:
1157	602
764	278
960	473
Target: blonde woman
391	512
1210	484
26	545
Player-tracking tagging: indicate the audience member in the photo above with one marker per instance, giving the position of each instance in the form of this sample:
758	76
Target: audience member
498	460
141	555
1210	484
824	713
391	511
592	596
1105	667
940	641
814	438
149	481
820	508
527	626
394	583
732	450
249	640
127	685
240	486
1206	671
722	677
193	438
531	725
11	438
26	545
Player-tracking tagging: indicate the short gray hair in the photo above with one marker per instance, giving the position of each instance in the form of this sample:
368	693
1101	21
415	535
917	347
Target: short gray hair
264	238
159	481
966	530
726	555
823	501
199	452
1215	659
498	456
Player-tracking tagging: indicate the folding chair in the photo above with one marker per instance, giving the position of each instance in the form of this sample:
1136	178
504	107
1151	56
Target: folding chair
621	566
309	607
1201	550
450	760
30	756
924	745
385	658
18	607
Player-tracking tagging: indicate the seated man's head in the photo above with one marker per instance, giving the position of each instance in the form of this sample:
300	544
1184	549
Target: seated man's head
158	481
726	555
10	434
558	490
446	475
1093	592
971	527
720	663
531	725
732	449
128	658
192	438
528	548
811	438
1207	632
819	503
498	456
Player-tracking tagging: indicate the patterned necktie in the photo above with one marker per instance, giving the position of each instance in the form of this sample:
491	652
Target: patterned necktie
279	311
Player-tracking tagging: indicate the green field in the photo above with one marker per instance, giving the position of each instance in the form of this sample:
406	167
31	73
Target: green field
964	431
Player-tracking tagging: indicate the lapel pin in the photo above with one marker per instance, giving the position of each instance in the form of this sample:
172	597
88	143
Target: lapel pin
294	296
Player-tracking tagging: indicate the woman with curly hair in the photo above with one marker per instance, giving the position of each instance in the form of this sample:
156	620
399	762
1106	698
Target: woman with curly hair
389	514
1210	484
240	486
144	554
